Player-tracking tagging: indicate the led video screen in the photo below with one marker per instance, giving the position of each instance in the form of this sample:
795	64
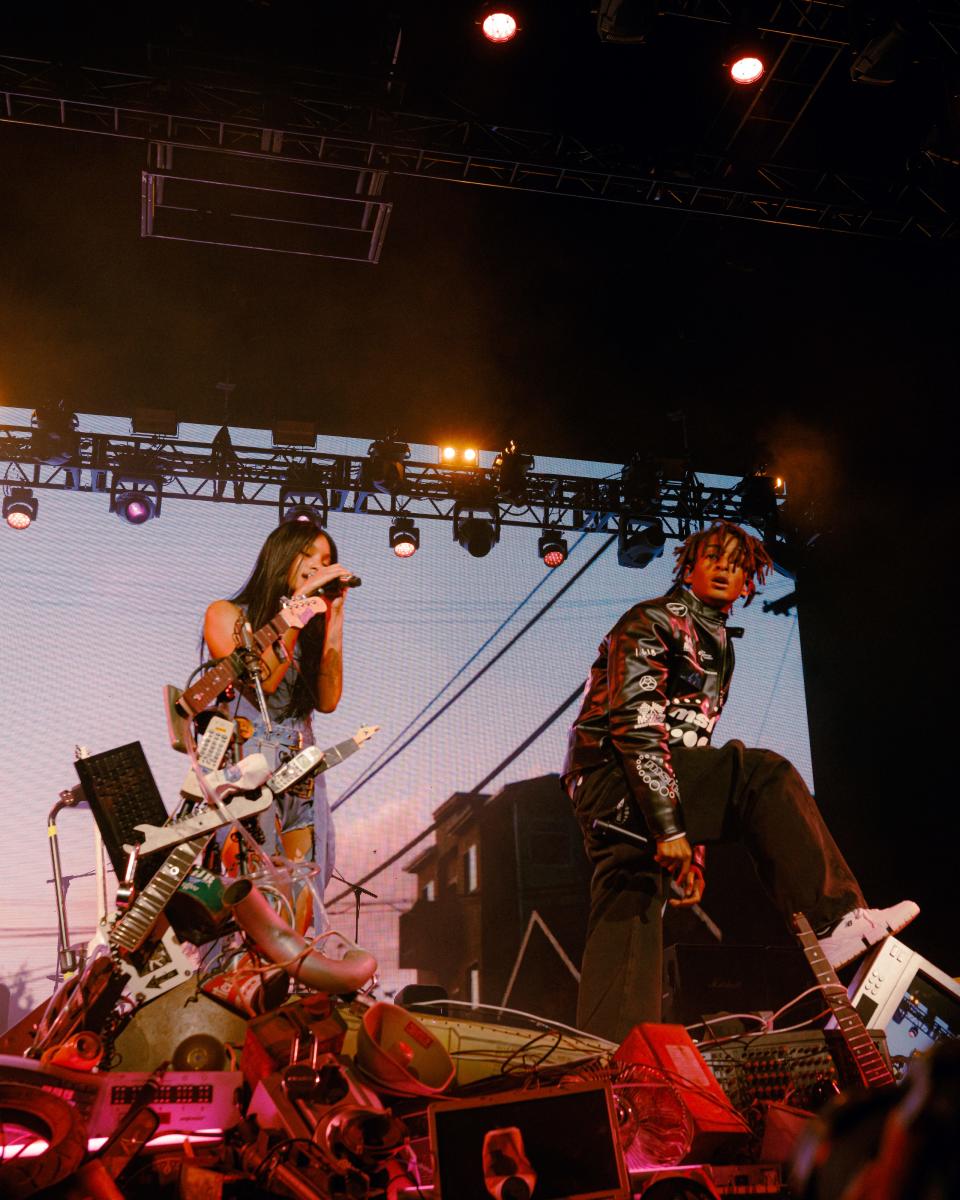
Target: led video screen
459	660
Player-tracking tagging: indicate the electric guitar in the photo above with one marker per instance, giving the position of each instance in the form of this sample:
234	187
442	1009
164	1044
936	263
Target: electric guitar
871	1066
130	931
293	614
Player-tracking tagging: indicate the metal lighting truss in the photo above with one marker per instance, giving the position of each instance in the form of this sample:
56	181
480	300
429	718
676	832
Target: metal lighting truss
251	475
310	124
806	38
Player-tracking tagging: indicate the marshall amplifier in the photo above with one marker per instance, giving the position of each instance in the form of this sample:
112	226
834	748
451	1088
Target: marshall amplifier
701	981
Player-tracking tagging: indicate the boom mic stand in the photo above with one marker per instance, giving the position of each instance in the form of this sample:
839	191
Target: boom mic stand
67	962
358	891
252	664
628	835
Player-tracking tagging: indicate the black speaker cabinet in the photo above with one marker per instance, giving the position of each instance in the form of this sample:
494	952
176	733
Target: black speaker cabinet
704	980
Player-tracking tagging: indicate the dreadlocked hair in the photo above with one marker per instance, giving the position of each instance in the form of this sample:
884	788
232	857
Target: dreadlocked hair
751	554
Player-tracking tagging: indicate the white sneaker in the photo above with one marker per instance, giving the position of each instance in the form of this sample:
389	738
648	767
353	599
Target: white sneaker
862	928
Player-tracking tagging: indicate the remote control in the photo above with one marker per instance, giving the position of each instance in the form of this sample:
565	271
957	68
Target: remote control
211	751
212	747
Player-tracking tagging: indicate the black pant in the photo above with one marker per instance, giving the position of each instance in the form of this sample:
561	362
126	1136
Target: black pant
755	797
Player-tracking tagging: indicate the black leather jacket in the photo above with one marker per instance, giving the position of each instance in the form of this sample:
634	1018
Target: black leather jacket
660	680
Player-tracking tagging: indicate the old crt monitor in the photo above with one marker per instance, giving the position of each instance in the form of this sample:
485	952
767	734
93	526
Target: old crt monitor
914	1002
549	1143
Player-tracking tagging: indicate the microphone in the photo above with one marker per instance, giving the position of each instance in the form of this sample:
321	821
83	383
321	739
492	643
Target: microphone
336	586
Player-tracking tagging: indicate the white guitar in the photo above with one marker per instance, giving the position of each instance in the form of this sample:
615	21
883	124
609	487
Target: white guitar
189	836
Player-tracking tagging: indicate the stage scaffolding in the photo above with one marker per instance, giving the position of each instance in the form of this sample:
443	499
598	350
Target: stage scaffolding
222	473
354	138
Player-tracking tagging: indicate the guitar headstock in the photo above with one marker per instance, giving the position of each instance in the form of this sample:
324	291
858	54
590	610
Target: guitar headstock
365	733
801	926
300	609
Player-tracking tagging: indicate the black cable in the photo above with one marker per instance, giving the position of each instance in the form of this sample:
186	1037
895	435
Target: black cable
367	772
527	741
434	825
483	670
527	1045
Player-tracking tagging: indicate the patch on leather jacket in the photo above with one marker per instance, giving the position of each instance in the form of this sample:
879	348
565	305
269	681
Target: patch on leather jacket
657	778
650	714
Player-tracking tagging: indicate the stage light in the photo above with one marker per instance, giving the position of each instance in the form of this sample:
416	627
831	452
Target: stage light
512	466
134	506
136	499
404	537
884	58
552	548
758	501
303	504
641	482
20	507
640	541
627	22
383	470
55	440
459	456
476	534
301	512
498	25
746	67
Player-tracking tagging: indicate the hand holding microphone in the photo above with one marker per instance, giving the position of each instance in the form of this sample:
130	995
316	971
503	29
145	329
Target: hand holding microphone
336	587
329	581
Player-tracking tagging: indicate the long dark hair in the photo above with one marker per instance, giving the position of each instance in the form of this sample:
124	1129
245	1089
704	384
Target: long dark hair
260	598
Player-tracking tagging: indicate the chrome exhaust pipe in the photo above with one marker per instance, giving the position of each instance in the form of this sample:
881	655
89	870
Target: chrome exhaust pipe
290	950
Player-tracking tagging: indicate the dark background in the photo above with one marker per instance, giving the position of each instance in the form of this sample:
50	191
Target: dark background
573	326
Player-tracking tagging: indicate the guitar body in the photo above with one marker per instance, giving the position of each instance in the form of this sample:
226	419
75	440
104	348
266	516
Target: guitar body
159	965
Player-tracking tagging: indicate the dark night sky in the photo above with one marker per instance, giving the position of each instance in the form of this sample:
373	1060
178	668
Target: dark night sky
574	327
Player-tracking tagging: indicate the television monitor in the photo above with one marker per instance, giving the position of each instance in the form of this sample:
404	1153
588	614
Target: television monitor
911	1000
555	1143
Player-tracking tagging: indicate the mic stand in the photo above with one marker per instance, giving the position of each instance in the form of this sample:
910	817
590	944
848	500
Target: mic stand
255	672
628	835
358	891
67	962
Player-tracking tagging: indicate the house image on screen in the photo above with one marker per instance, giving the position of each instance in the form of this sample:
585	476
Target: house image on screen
502	900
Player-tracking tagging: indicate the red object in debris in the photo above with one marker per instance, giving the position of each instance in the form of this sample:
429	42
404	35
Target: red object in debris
402	1052
669	1049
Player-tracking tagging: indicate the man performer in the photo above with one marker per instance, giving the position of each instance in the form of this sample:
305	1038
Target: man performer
639	757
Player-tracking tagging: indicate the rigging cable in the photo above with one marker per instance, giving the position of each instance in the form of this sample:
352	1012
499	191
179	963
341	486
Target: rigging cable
483	670
434	825
372	767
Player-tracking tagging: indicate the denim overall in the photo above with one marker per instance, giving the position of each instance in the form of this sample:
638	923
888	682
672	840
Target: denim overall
290	810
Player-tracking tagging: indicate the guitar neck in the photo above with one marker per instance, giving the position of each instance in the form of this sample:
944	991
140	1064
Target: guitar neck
869	1062
268	634
336	754
132	928
209	686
